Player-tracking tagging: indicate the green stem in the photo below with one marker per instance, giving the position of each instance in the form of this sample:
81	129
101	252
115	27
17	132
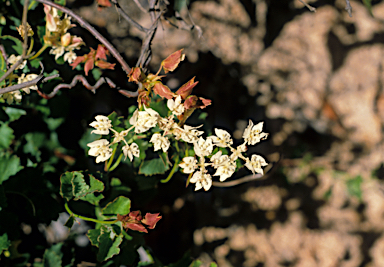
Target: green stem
116	163
175	166
39	52
86	218
111	159
30	47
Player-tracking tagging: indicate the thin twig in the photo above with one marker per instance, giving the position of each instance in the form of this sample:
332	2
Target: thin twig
128	18
25	37
83	80
145	53
140	6
4	54
348	8
14	66
245	179
311	8
39	79
93	31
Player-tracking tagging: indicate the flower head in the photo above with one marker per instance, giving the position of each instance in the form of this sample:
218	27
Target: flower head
26	78
13	59
203	147
176	106
189	164
131	150
144	120
225	170
102	125
255	164
201	180
100	149
253	133
160	142
222	138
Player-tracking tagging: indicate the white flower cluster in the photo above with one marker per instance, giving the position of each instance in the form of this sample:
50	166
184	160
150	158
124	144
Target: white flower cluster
225	165
101	149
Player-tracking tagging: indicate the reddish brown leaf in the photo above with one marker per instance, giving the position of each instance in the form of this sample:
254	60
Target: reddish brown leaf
187	88
135	75
101	52
105	65
163	90
77	61
190	102
172	61
89	64
151	220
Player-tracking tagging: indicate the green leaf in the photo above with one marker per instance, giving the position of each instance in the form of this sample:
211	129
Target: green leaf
73	184
153	166
53	123
121	205
35	141
6	136
9	166
4	243
93	236
66	185
3	68
52	256
91	198
108	247
18	45
213	264
14	113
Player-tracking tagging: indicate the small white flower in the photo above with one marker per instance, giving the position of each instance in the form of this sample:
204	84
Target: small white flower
225	170
100	149
201	180
237	152
102	125
222	138
13	59
253	133
58	51
203	147
26	78
176	106
190	134
70	56
131	151
255	164
218	159
160	142
189	164
144	120
119	136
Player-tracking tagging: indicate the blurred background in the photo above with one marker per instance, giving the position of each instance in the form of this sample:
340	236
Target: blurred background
316	79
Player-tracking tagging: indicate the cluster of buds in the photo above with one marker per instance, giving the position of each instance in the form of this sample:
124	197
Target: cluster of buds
135	221
58	38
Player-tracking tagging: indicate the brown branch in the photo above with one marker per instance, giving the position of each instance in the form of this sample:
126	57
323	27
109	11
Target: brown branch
348	8
311	8
39	79
25	37
93	31
77	78
128	18
83	80
14	66
245	179
145	52
140	6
